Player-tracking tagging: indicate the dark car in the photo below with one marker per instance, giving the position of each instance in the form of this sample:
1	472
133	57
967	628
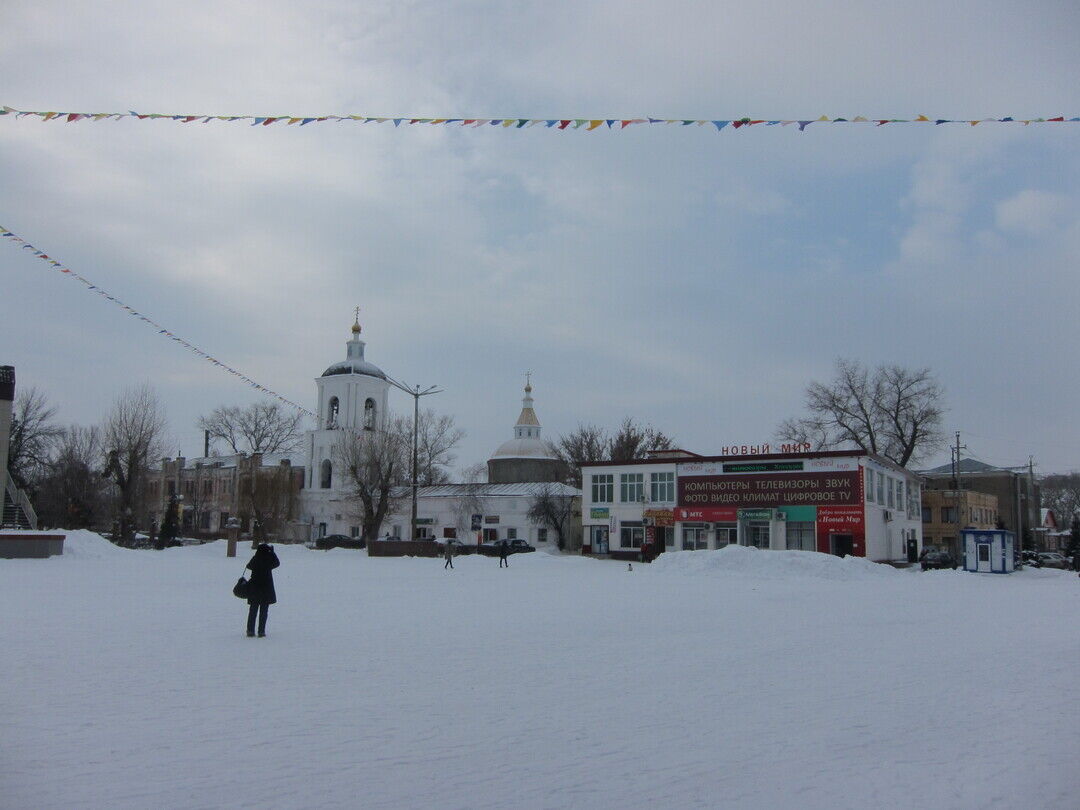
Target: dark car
339	541
1031	558
491	548
938	560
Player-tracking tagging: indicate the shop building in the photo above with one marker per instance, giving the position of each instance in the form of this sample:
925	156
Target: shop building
843	502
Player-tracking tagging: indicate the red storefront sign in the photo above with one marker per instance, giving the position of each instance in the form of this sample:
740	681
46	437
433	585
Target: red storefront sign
837	522
822	489
709	514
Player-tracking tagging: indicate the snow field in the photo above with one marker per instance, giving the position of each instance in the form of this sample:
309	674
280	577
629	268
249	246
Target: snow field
735	678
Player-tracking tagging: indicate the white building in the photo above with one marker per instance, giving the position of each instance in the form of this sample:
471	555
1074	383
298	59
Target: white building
471	513
353	394
838	502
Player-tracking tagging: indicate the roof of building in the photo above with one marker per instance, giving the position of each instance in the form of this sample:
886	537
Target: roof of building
526	442
857	453
354	362
966	465
355	367
522	490
268	460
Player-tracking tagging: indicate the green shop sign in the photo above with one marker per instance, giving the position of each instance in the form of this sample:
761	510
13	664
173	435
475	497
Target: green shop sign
764	466
755	514
598	514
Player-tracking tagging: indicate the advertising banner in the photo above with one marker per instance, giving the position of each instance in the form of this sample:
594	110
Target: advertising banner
659	517
712	514
599	513
841	488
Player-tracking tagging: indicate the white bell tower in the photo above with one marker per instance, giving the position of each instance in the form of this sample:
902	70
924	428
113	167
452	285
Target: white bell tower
353	394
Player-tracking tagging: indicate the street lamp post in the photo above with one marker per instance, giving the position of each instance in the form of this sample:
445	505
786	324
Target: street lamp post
415	393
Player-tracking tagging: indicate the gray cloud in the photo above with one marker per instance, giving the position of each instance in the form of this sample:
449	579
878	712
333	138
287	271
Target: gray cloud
694	279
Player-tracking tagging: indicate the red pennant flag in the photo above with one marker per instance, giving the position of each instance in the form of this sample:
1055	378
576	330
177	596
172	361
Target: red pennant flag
563	124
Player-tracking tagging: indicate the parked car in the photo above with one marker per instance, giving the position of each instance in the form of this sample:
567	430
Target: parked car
516	546
1051	559
338	541
1031	558
938	560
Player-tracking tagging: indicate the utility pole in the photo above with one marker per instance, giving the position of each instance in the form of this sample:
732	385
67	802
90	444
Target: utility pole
956	493
415	393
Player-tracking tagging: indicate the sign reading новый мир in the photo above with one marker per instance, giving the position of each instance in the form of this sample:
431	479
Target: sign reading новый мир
782	489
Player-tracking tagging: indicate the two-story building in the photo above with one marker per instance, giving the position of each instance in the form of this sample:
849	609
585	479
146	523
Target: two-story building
844	502
946	511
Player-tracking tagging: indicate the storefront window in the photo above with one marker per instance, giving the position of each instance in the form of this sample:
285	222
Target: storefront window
881	489
631	535
662	487
603	488
800	536
694	536
889	486
631	487
758	534
726	534
869	485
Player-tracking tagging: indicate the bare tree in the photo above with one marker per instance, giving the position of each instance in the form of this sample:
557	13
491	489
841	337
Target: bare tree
32	438
262	427
1061	493
589	443
73	493
632	441
133	434
376	467
551	510
585	444
891	411
437	436
267	497
469	502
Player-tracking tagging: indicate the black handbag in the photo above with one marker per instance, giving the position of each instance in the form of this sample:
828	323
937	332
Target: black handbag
240	589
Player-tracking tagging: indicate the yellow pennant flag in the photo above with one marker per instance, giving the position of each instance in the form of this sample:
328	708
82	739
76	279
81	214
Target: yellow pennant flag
593	125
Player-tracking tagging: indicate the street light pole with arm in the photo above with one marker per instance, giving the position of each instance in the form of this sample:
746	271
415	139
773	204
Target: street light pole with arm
415	393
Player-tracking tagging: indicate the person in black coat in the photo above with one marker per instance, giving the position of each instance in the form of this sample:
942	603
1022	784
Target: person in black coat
504	551
261	593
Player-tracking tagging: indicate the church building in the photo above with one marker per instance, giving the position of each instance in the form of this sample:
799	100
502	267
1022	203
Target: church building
352	394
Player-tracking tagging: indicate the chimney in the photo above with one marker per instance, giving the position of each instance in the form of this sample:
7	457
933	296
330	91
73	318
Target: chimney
7	397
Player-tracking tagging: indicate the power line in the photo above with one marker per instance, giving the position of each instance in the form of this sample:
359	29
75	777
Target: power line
136	314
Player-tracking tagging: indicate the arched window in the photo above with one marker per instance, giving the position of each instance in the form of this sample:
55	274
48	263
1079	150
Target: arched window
369	415
325	474
332	413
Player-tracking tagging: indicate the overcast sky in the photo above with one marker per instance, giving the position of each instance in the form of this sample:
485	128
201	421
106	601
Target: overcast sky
692	279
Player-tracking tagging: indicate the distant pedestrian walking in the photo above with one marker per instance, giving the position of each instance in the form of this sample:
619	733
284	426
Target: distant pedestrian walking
449	555
261	593
504	552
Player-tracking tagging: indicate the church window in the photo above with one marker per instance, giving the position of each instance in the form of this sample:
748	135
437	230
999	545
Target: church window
369	415
332	413
325	474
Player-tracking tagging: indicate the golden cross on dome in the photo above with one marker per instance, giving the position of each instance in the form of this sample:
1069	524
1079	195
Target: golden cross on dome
358	314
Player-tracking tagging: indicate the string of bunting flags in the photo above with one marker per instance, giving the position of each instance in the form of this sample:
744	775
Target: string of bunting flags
587	124
40	254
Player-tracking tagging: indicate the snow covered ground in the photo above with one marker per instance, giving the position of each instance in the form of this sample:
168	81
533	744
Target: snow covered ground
734	678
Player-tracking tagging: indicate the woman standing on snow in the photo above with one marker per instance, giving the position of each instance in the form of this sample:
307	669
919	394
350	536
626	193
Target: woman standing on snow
261	593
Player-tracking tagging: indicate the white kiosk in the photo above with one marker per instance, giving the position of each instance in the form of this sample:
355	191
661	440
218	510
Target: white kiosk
988	551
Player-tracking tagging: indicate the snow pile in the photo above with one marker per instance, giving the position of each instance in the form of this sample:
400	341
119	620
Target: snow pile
758	564
88	545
